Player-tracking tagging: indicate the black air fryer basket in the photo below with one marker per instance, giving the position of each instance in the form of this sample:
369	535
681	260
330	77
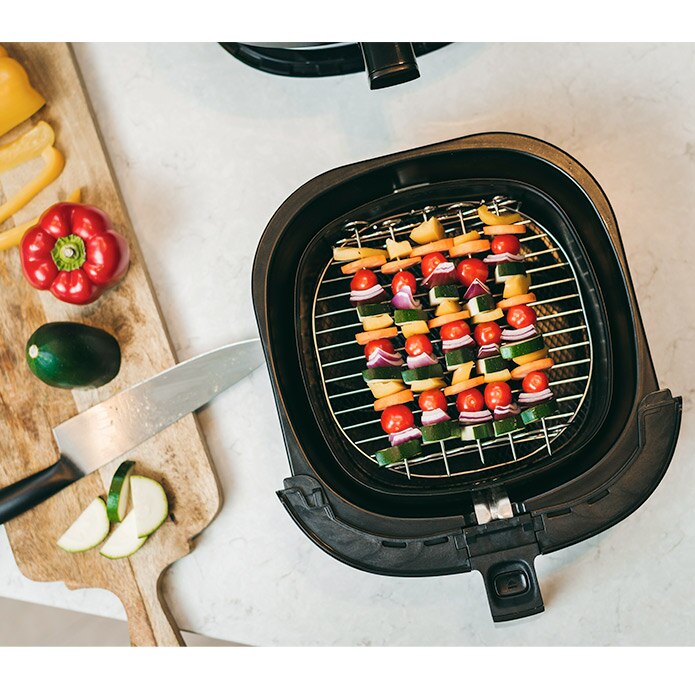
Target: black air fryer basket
495	506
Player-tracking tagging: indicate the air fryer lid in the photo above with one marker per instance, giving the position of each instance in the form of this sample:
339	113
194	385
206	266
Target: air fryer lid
621	445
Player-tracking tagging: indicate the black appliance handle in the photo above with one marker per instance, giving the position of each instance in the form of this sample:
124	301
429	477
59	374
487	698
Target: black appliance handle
502	550
23	495
511	583
389	64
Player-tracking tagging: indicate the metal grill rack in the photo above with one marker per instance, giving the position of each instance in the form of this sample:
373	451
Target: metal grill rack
561	319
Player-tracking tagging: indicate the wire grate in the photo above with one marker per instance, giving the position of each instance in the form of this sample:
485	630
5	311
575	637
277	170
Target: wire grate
561	319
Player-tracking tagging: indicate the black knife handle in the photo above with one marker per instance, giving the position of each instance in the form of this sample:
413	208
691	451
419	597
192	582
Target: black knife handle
19	497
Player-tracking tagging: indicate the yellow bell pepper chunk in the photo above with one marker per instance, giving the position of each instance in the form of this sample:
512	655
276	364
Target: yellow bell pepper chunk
26	147
54	164
13	236
18	99
490	219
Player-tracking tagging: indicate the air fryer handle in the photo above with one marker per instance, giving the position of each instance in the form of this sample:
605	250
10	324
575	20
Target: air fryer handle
389	64
511	583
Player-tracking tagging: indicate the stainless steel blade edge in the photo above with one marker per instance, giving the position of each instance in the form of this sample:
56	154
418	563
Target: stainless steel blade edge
115	426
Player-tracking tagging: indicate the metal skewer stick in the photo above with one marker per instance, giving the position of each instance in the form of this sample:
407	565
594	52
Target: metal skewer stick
511	444
545	434
407	468
446	461
480	451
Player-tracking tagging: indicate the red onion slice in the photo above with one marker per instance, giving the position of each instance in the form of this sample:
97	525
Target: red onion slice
360	296
380	358
456	343
444	273
505	411
475	289
513	335
535	397
422	360
404	299
433	417
404	436
488	351
502	257
474	417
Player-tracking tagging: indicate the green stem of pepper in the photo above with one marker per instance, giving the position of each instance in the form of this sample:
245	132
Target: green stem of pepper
69	253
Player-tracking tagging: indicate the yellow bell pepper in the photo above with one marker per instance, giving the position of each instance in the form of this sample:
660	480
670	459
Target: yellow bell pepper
54	163
490	219
13	236
18	99
26	147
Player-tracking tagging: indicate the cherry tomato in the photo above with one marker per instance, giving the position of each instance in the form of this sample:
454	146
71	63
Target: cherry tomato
487	333
397	418
535	381
521	316
470	400
403	279
417	345
363	279
470	268
384	343
454	330
505	244
430	262
431	399
497	394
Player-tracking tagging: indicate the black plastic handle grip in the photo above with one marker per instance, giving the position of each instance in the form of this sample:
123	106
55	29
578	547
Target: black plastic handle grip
389	64
23	495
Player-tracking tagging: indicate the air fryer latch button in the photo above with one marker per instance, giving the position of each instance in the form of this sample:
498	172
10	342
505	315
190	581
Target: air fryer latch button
511	583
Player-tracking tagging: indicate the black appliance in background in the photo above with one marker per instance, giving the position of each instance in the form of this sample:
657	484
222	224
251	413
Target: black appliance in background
386	64
457	508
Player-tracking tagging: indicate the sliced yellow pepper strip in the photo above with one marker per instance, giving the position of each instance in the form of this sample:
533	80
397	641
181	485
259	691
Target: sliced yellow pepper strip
54	166
18	99
27	146
13	236
490	219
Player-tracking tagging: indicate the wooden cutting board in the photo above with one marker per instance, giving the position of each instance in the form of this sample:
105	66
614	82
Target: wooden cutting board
177	457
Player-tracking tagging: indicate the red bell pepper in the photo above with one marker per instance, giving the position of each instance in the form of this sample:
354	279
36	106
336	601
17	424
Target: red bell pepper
74	253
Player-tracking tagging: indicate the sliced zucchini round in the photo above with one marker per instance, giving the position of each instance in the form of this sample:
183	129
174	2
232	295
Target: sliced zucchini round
523	347
392	455
541	410
479	431
119	492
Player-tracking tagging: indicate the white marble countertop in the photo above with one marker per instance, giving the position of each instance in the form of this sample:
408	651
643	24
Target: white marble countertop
205	149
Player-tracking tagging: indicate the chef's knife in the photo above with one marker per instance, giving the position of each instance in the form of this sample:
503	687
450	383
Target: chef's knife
108	430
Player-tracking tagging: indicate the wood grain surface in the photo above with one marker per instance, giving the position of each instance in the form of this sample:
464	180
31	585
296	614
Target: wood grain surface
177	457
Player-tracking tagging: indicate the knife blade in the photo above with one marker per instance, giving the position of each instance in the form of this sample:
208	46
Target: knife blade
113	427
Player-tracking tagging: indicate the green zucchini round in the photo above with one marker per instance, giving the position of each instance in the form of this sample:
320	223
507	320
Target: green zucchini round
70	355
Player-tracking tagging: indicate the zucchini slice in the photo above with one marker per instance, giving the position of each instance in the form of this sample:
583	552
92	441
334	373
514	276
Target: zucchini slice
444	292
541	410
401	316
479	431
372	310
506	425
429	372
504	271
523	347
392	455
488	365
483	302
458	357
381	374
440	431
